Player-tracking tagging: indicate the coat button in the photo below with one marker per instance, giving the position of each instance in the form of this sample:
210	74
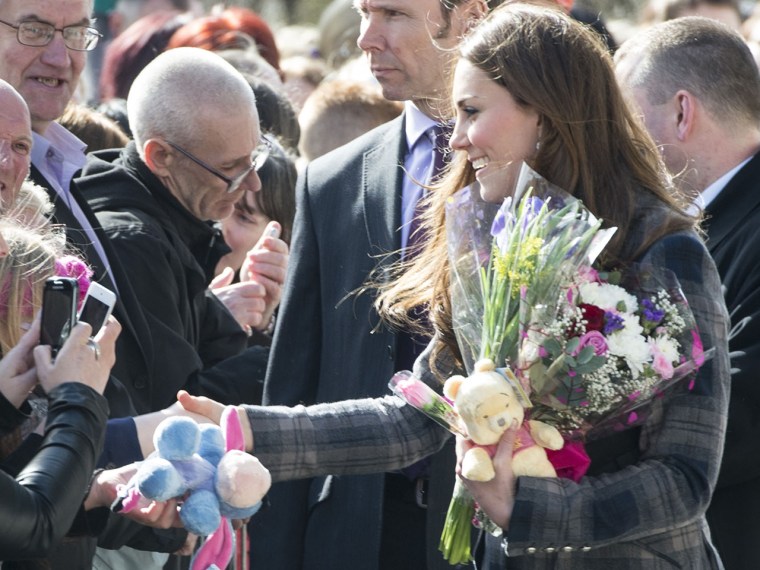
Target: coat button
531	550
505	546
391	352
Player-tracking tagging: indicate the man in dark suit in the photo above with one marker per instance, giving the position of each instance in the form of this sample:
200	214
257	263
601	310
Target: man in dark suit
698	88
354	207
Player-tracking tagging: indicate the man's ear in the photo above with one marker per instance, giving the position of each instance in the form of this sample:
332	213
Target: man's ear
685	107
472	13
158	158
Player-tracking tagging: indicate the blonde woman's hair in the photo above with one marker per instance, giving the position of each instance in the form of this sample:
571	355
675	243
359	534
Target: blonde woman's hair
30	261
32	208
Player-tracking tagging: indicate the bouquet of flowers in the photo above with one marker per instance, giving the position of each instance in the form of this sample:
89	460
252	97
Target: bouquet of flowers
590	350
620	340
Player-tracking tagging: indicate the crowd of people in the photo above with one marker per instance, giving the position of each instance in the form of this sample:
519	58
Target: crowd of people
268	205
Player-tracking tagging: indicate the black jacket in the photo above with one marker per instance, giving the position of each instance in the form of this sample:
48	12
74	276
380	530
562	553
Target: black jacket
135	355
733	229
168	255
38	507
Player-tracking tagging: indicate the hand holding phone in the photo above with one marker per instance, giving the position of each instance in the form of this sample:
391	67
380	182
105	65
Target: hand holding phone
59	301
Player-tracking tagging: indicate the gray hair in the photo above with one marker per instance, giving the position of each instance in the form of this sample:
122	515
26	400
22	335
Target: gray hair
180	87
699	55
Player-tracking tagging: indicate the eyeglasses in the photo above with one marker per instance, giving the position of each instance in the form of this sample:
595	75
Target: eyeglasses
38	34
258	158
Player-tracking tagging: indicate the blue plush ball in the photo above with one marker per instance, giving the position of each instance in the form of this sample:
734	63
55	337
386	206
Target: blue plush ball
177	438
158	479
212	446
200	513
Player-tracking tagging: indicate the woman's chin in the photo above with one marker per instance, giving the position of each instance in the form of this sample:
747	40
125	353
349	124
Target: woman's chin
492	190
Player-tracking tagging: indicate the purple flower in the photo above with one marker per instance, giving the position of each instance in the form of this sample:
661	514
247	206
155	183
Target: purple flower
651	312
533	206
499	229
612	322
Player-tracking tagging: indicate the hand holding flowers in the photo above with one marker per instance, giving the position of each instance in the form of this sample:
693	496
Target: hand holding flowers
590	350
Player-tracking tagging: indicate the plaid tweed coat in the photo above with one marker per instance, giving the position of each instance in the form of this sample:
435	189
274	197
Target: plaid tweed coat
648	515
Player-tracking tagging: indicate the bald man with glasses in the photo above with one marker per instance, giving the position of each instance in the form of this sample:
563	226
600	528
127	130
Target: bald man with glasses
43	50
157	200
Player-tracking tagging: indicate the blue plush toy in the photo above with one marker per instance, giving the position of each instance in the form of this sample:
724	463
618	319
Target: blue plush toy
206	467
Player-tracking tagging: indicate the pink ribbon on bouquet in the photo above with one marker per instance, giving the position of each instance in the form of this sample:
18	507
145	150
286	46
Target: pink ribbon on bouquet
570	462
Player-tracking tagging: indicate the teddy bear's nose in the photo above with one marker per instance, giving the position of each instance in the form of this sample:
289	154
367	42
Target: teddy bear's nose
502	422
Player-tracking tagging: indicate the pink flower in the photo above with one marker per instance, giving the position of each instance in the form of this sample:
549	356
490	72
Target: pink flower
571	461
596	340
589	274
415	392
662	365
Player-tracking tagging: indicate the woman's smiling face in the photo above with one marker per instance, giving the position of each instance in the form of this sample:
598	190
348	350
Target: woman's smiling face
495	131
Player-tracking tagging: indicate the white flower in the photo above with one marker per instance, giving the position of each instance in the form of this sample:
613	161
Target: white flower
666	346
629	343
608	297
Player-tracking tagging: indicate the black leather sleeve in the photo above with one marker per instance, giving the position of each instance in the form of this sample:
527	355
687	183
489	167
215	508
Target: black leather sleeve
37	508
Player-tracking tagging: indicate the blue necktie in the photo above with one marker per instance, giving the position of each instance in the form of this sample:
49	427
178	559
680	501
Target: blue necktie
439	137
410	346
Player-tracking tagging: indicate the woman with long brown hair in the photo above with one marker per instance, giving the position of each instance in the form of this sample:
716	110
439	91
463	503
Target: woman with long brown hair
533	86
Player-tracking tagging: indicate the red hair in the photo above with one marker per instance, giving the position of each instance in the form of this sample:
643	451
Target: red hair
223	31
129	52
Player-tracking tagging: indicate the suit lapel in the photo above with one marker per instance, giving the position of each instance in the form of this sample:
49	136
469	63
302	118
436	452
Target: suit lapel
382	177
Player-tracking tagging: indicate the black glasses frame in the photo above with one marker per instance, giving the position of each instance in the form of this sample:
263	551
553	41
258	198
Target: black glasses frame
258	158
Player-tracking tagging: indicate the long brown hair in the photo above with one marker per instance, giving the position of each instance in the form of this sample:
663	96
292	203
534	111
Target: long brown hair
590	144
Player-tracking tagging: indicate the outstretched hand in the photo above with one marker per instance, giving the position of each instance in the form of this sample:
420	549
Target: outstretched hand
497	496
212	410
103	491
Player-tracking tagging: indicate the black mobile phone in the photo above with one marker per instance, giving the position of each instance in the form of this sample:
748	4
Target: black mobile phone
59	304
97	306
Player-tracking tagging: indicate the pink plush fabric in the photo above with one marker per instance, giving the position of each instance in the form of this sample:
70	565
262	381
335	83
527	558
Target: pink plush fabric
216	551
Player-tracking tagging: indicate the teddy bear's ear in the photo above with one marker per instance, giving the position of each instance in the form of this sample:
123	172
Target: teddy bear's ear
451	386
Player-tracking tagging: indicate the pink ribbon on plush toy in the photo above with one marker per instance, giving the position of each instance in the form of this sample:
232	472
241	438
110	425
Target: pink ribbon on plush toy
216	551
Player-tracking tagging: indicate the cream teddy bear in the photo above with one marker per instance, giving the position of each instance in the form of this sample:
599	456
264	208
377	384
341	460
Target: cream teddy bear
488	404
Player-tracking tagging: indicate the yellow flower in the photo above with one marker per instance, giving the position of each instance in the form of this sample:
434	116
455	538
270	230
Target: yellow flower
519	266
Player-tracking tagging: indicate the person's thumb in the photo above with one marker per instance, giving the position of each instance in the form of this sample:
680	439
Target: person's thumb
507	442
273	229
223	279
